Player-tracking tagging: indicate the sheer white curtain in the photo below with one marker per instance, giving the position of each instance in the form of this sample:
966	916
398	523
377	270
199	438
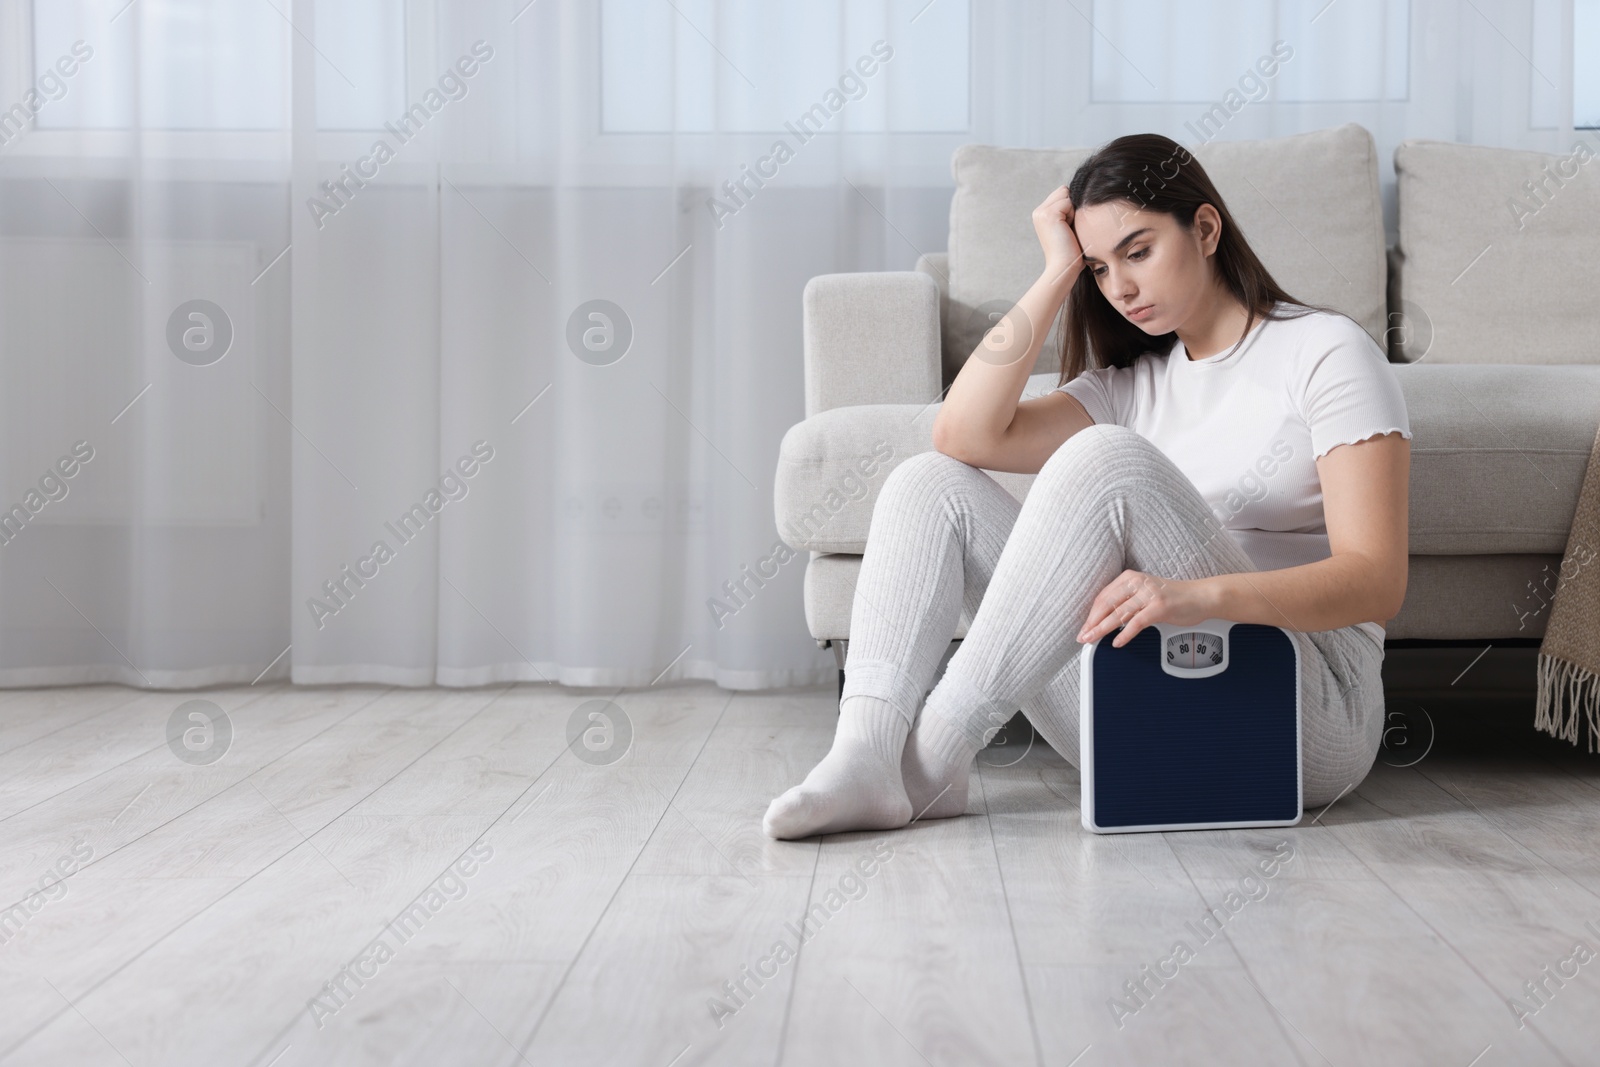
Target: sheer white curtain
435	341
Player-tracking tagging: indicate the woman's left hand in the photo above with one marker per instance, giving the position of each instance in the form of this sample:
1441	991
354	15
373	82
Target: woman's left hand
1135	599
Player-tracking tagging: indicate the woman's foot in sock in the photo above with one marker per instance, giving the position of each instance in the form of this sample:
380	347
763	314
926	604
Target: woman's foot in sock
935	768
857	785
851	789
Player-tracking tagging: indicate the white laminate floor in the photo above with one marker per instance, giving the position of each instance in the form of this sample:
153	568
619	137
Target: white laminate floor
388	876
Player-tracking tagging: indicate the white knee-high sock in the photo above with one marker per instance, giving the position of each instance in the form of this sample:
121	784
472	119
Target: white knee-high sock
938	528
857	786
957	720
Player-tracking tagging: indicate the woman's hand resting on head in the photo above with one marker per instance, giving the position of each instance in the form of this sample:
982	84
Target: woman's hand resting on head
1135	599
1052	221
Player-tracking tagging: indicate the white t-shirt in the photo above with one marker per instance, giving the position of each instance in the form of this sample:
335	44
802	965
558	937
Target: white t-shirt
1248	423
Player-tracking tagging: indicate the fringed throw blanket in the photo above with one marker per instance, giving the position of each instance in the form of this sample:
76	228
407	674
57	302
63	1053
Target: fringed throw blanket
1569	655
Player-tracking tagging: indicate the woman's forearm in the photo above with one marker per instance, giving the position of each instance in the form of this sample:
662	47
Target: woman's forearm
982	399
1331	593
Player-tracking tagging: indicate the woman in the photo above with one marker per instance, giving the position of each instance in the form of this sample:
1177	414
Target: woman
1236	454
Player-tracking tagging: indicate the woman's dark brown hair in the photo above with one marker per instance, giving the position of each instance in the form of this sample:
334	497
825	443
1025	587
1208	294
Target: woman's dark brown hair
1155	173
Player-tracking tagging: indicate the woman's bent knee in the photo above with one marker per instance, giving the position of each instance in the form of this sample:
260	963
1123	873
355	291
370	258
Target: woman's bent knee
1103	459
929	472
1104	449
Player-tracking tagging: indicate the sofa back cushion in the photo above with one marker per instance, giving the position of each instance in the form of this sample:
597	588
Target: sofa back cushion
1308	204
1496	260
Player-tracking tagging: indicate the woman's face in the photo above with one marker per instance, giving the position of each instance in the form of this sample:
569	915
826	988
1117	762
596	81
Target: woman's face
1148	266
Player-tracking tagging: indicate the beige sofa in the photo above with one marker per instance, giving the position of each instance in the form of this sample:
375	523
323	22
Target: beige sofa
1489	310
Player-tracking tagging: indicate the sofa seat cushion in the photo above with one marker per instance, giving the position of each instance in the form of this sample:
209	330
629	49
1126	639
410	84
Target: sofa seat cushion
1498	455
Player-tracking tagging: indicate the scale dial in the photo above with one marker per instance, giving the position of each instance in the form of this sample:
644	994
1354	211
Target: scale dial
1194	650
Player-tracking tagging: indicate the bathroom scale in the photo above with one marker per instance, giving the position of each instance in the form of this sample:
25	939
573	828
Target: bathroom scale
1190	728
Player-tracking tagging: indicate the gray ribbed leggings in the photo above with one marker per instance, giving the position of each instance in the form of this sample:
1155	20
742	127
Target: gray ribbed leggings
946	537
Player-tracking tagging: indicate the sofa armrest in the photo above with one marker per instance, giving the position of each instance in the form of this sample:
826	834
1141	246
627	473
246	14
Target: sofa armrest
832	465
871	338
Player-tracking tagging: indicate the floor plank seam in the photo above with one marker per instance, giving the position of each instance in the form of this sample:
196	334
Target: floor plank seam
98	774
1279	1019
420	756
99	857
245	881
1011	921
555	994
132	698
1451	945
